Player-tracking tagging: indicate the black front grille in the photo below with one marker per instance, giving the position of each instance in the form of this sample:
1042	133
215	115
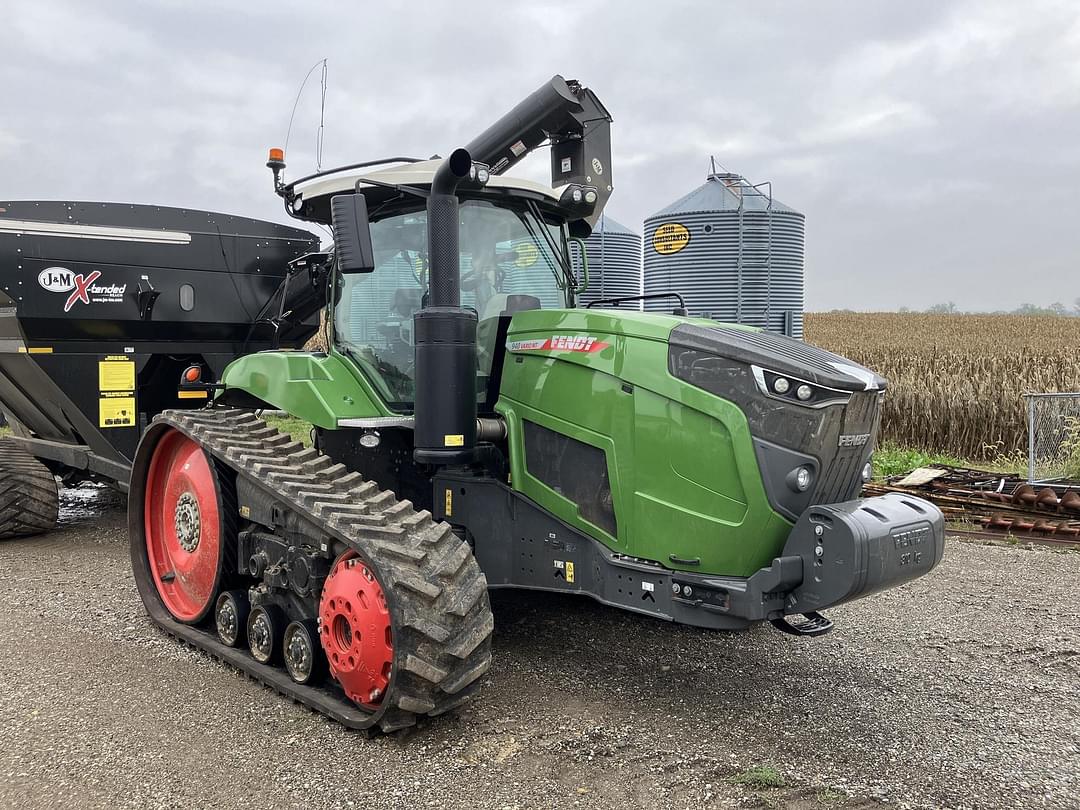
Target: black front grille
841	478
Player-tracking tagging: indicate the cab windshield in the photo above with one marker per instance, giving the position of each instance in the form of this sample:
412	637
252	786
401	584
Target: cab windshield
509	261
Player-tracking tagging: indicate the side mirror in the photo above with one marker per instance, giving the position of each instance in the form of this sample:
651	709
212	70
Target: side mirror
352	233
583	284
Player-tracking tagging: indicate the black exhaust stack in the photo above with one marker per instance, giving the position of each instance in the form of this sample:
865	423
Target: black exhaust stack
445	333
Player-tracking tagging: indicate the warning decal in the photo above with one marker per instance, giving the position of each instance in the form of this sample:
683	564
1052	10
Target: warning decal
671	237
116	375
116	411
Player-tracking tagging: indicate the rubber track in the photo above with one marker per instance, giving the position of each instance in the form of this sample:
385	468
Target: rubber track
29	501
436	591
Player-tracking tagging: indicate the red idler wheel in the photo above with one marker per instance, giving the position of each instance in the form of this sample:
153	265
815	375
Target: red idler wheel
355	630
182	522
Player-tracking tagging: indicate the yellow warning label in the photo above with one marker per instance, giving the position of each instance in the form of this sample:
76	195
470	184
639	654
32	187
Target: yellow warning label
569	571
453	440
116	412
449	506
245	511
191	395
671	237
116	375
40	350
527	254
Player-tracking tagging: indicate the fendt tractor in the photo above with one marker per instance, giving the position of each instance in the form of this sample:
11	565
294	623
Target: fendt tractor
472	430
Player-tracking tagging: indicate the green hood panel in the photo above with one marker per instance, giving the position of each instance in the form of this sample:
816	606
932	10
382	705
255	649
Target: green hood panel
318	388
685	483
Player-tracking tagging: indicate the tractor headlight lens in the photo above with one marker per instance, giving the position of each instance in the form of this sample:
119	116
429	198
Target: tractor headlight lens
867	471
802	479
590	196
576	195
804	392
781	385
482	175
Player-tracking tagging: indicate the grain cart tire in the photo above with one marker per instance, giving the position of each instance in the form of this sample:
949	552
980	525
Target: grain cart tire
29	500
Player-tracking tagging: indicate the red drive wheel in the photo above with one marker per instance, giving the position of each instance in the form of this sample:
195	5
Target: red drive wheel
355	630
182	521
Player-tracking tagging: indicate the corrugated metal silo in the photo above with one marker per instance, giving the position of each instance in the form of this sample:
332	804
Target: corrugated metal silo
733	251
614	263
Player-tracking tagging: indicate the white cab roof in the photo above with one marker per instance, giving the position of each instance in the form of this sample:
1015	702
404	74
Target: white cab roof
406	174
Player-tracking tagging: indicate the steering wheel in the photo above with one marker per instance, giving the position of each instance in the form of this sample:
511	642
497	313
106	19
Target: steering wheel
471	280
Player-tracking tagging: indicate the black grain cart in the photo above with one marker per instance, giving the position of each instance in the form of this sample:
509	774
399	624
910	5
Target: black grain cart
102	308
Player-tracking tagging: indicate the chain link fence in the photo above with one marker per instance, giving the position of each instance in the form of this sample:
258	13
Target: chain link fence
1053	422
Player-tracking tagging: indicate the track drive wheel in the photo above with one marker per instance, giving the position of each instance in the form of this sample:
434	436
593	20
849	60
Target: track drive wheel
356	630
188	544
29	502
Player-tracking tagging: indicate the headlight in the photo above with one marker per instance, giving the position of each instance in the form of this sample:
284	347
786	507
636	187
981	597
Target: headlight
799	479
576	195
802	479
867	471
781	385
804	392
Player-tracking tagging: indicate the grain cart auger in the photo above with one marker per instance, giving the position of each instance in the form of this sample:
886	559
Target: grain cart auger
472	430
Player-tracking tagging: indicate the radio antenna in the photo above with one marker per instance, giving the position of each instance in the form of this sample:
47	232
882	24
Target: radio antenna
322	112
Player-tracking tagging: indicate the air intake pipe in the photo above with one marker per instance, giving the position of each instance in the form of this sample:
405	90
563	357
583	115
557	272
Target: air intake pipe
445	334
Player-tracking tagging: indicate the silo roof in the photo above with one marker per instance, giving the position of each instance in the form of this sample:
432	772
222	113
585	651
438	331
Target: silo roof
718	194
610	226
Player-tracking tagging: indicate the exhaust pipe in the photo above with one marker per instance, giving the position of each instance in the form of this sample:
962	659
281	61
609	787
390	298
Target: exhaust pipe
445	334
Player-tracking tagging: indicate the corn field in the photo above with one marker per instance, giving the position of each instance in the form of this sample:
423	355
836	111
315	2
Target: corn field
956	381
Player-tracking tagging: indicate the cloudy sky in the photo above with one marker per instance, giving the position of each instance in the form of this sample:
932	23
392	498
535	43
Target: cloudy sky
933	146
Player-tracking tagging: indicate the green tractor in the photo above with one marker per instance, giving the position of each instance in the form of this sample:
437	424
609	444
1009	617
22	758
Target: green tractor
474	430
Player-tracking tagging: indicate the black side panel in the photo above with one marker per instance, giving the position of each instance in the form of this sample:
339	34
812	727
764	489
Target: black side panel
390	464
575	470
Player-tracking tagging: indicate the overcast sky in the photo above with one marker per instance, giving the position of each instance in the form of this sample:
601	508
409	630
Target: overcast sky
933	146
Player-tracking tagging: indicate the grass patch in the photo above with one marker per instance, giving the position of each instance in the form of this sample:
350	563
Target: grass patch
830	797
890	460
760	777
297	428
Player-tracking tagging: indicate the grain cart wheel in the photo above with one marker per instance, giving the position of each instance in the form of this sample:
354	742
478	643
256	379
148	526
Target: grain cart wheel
29	502
187	538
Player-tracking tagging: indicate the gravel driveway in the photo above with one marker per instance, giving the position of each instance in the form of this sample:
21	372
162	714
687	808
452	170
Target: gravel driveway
959	690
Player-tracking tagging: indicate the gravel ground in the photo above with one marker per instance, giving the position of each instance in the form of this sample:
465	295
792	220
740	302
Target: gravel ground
959	690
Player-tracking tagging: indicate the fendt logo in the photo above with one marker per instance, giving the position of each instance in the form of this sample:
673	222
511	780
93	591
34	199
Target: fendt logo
56	279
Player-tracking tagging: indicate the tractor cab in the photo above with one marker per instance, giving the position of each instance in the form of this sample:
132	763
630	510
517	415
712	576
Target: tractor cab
514	253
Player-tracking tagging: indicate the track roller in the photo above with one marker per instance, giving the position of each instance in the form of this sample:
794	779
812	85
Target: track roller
304	658
265	629
231	617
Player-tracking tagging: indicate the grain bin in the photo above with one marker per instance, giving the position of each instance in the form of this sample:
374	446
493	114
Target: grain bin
614	253
733	251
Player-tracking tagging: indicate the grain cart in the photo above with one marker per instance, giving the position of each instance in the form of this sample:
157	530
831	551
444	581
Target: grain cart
102	306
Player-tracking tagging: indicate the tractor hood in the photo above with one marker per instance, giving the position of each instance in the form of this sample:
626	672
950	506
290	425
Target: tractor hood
777	353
